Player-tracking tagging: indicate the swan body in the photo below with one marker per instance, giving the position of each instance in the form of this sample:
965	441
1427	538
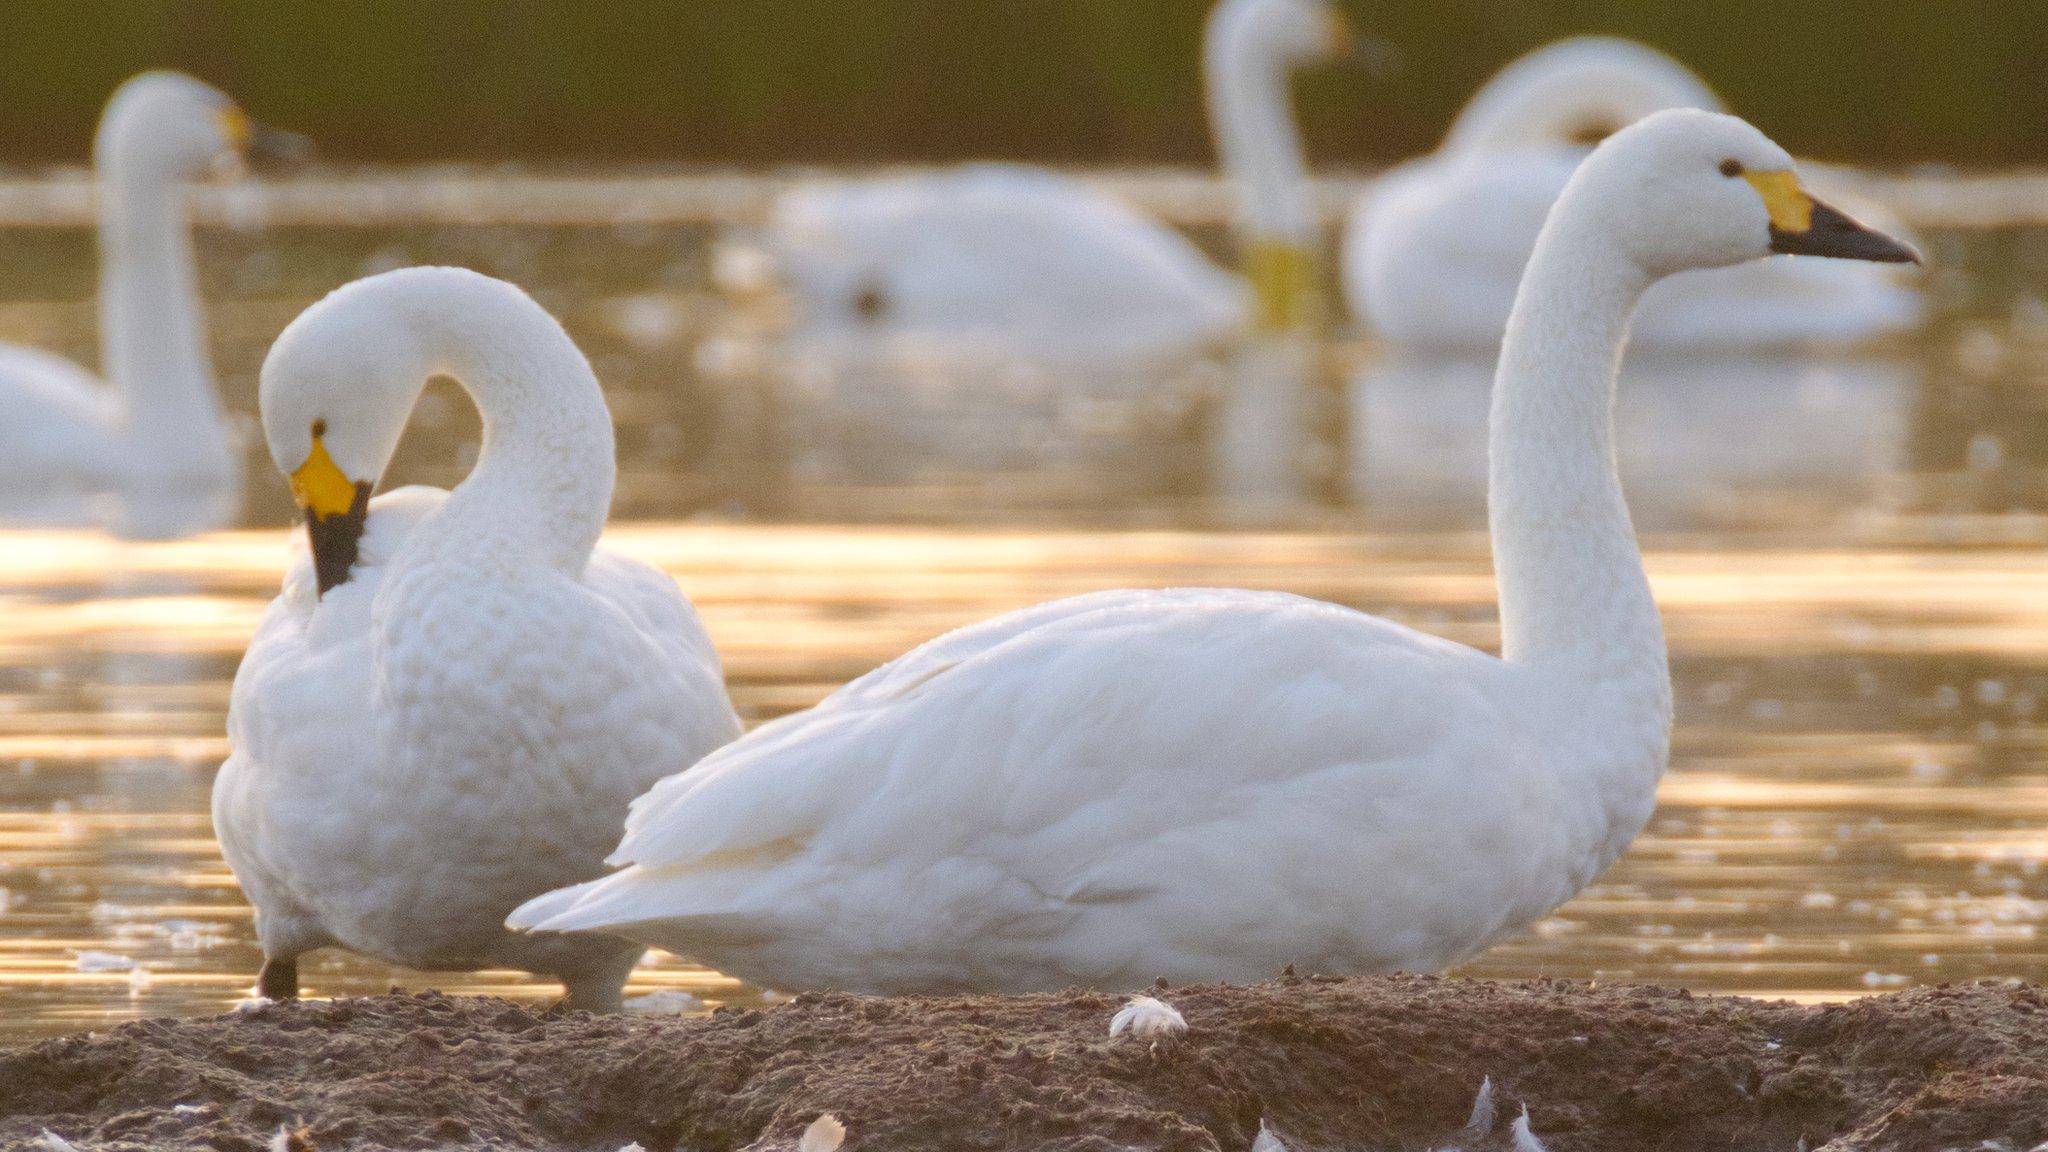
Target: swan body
1433	253
154	432
1208	784
1006	263
1705	442
449	712
993	261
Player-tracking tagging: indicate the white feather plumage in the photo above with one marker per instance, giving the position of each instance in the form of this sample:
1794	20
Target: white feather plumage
461	724
154	433
1266	1141
1210	784
825	1134
1147	1019
1434	251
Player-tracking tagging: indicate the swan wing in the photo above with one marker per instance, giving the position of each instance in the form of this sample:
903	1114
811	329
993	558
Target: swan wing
61	419
1085	752
991	251
300	702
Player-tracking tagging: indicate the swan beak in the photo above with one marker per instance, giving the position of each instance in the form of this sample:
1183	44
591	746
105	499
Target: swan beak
336	509
261	145
1338	41
274	147
1804	226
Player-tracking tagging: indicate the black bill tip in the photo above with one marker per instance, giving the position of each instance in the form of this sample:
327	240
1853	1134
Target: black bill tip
1835	233
337	539
275	148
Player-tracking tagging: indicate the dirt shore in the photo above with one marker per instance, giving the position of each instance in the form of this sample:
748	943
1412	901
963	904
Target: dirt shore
1365	1065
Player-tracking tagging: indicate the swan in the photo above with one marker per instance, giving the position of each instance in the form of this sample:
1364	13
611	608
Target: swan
456	694
1739	438
156	431
1004	262
1433	252
1208	784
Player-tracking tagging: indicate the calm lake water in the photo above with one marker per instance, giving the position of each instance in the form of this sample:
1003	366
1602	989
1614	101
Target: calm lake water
1849	551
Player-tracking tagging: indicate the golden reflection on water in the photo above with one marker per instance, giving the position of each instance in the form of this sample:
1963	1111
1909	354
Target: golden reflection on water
1857	799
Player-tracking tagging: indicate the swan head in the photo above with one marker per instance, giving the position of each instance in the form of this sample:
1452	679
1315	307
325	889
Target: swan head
337	389
1574	93
1288	31
173	127
1685	188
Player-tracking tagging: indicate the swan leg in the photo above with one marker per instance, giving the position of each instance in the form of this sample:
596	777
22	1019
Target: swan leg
600	988
279	978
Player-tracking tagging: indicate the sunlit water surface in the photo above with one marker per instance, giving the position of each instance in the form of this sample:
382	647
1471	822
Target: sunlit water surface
1847	549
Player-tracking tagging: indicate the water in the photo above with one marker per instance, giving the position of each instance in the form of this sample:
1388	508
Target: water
1847	549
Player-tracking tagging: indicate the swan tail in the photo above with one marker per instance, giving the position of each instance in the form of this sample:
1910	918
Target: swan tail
529	917
653	906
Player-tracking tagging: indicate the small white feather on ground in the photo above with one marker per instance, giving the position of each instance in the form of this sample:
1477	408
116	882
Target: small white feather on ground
1147	1019
825	1134
1481	1121
1525	1140
252	1004
665	1002
1266	1141
51	1142
633	1147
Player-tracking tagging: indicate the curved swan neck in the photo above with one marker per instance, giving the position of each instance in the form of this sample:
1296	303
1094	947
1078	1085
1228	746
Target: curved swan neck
1256	138
1572	587
152	330
543	481
1574	89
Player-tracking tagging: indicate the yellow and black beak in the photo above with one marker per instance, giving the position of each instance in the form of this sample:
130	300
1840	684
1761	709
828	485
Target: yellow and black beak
1804	226
336	508
262	146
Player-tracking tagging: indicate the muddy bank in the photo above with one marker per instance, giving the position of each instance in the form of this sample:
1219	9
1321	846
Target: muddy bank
1352	1065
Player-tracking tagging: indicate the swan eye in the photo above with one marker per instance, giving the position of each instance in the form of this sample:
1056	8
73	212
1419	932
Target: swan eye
1731	168
871	303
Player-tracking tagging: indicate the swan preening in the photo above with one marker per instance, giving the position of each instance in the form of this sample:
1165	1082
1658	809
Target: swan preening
1006	262
153	436
449	706
1434	252
991	263
1209	784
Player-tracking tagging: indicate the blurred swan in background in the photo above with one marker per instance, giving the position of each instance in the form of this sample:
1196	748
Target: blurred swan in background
999	262
1207	784
449	706
1433	252
1742	439
153	435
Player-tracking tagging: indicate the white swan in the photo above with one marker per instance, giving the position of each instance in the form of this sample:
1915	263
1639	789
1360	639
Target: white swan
1432	254
1003	262
156	432
449	706
1206	784
1735	439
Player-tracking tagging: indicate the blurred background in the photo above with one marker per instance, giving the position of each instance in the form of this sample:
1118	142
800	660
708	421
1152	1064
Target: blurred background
1845	528
1060	81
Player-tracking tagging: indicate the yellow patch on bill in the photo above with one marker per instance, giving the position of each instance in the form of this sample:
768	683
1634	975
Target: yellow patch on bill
320	486
236	126
1790	207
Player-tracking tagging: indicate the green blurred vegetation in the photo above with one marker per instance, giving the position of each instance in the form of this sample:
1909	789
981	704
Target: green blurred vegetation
765	81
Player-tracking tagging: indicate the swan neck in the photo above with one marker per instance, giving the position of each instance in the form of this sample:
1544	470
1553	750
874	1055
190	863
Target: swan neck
1572	586
543	481
152	327
1256	139
1558	97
